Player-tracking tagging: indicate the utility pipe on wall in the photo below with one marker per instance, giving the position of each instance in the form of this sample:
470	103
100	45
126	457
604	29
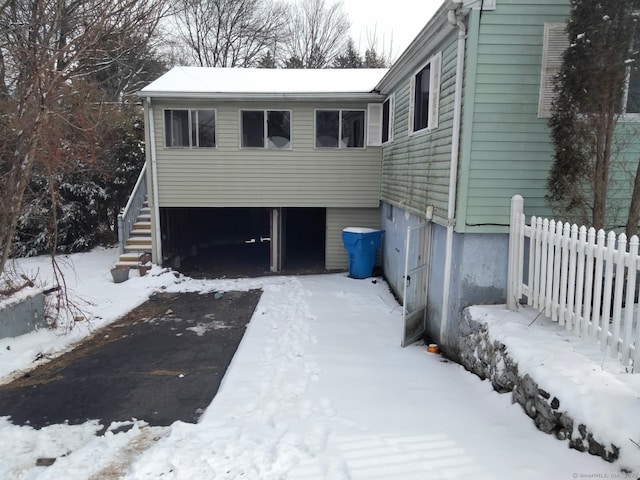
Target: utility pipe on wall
453	19
154	182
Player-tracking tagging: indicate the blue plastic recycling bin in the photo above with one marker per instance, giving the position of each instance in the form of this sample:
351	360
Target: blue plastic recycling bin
362	245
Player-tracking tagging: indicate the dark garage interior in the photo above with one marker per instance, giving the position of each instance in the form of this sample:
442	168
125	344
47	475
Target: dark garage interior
216	242
304	239
236	242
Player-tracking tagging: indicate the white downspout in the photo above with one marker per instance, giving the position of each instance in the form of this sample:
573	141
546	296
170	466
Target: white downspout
453	173
154	182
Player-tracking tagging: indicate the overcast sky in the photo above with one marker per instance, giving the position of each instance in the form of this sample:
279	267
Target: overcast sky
397	20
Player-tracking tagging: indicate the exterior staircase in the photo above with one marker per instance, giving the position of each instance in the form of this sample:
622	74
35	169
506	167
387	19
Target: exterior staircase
139	239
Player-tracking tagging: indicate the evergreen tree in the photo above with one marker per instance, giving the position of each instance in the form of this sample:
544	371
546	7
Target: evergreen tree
293	62
267	61
373	60
590	91
350	58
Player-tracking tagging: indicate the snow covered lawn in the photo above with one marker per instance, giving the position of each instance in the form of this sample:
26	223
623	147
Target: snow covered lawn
319	389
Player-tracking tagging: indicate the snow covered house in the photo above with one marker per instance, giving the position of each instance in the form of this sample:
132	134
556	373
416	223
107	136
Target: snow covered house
431	151
470	97
267	166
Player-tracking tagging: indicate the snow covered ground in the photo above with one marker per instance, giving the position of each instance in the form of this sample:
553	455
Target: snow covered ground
319	389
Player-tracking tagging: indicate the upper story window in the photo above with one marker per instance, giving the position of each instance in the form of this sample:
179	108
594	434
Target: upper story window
555	42
340	128
190	128
387	119
266	129
425	96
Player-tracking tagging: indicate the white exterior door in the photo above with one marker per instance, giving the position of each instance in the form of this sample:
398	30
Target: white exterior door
416	277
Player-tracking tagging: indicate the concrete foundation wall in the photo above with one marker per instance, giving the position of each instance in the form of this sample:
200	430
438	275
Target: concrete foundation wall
22	316
394	221
478	271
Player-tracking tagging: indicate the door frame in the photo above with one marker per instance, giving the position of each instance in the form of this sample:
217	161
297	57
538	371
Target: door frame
414	321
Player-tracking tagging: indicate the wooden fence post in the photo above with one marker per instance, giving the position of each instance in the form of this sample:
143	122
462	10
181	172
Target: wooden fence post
517	210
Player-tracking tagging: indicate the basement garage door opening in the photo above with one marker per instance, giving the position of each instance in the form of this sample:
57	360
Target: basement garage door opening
216	242
304	239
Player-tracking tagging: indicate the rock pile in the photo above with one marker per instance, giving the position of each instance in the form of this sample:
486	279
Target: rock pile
490	360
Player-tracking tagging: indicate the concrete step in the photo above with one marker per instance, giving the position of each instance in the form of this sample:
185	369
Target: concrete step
126	264
138	247
130	260
142	240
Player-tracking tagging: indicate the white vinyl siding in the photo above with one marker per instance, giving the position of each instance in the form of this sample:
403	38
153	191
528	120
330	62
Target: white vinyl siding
554	44
231	176
424	97
339	219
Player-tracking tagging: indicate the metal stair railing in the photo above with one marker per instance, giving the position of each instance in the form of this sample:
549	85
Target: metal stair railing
128	216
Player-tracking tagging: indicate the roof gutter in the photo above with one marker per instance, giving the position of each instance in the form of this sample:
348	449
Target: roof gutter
324	96
431	35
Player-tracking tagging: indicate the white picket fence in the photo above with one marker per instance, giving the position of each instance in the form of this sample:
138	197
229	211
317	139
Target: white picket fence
583	279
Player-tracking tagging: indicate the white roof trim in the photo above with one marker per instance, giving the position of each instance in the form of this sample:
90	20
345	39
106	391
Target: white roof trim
373	96
426	42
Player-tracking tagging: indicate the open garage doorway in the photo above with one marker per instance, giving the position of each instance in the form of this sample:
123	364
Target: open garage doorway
303	240
216	242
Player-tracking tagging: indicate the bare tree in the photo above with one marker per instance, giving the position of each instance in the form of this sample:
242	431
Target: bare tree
375	57
50	54
317	33
229	33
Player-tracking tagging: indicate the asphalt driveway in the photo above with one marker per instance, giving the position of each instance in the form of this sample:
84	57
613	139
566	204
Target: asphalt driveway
162	362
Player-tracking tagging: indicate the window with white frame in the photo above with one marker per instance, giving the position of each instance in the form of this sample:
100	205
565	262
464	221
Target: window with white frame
424	95
190	128
555	42
387	119
266	129
340	128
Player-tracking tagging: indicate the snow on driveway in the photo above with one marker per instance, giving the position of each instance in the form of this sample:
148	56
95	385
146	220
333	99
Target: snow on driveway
319	389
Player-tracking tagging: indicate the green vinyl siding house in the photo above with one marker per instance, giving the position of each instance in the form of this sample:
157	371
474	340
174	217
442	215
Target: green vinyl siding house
431	151
456	175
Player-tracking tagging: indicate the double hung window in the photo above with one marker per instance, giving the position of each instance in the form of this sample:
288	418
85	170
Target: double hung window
190	128
340	128
266	129
425	96
387	119
555	42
